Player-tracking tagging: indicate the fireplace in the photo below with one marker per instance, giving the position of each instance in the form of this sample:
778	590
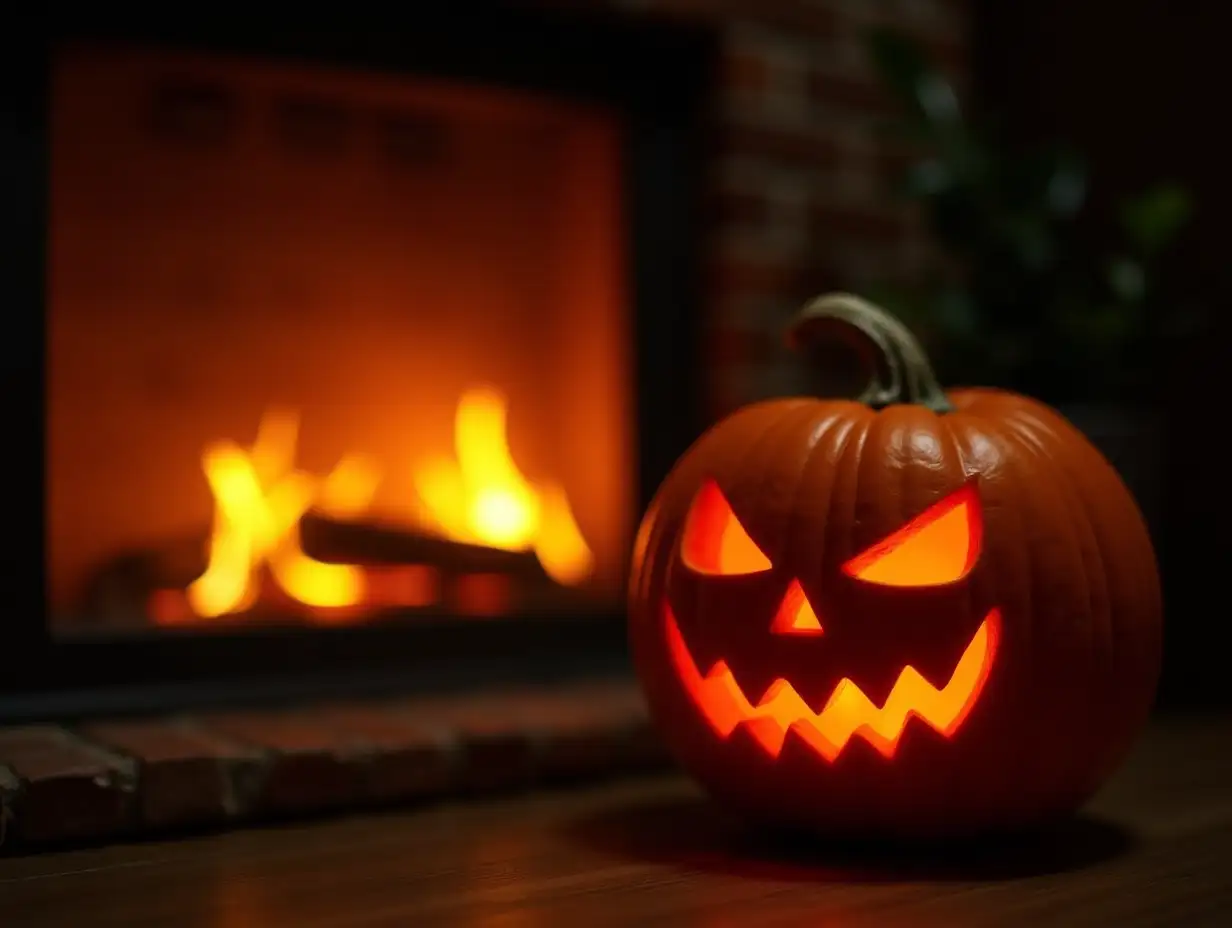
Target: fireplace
294	309
363	348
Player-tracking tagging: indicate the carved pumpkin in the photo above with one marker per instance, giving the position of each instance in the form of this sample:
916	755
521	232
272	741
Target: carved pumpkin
916	613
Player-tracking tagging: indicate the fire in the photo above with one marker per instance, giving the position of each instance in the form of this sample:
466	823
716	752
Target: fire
481	497
259	498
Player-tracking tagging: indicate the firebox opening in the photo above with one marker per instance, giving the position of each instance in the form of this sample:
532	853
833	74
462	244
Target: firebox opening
325	345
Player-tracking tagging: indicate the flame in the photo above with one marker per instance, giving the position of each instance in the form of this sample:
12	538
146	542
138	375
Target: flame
481	497
260	495
259	498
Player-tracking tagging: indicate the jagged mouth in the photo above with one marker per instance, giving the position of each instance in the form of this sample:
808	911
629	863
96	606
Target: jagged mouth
848	713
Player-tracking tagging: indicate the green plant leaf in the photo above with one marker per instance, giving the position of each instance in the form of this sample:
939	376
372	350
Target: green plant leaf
1017	294
1030	240
1153	219
937	99
928	98
956	313
928	178
898	60
1067	187
1127	279
1097	330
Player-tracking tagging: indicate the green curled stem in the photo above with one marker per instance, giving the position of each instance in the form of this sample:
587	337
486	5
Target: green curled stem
899	370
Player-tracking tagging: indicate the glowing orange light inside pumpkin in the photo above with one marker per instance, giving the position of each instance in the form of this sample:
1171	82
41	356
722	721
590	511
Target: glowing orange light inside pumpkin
938	546
796	615
848	713
714	540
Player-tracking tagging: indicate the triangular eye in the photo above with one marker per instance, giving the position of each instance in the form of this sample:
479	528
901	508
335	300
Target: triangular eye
796	615
938	546
714	540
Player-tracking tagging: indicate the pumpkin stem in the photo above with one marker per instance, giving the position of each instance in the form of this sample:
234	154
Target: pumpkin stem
899	368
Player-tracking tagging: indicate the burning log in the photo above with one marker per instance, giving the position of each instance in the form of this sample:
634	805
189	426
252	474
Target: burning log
476	580
336	541
402	568
119	588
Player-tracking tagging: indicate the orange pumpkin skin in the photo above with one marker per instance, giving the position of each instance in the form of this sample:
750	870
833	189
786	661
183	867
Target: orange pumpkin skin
1064	558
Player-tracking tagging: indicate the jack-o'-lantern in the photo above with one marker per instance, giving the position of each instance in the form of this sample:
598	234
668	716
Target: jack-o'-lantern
915	613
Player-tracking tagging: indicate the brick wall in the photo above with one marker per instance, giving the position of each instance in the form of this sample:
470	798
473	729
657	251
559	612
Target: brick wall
797	182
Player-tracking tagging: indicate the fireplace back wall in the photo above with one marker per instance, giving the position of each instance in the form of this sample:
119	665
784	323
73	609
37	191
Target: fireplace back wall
365	264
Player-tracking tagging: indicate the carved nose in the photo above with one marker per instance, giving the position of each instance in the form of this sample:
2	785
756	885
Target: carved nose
796	615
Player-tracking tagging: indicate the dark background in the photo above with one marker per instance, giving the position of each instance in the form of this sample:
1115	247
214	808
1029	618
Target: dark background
1140	87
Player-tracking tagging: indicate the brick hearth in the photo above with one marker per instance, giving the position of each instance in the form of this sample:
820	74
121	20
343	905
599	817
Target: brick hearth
113	779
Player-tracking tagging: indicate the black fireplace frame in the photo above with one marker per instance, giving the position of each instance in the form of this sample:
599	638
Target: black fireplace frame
657	74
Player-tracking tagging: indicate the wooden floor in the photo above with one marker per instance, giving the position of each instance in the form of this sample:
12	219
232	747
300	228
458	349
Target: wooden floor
1155	848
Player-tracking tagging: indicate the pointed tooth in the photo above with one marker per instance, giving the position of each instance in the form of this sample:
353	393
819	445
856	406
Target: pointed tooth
745	750
767	732
786	701
938	668
919	739
798	747
806	735
877	688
